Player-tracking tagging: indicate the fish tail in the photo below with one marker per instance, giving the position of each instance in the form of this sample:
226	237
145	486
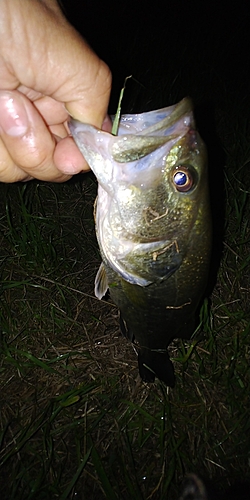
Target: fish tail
156	364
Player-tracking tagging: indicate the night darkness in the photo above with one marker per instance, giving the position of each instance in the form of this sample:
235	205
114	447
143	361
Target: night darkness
76	420
172	49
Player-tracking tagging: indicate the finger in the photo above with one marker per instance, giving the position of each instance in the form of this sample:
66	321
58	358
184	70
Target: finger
107	124
92	98
60	63
68	158
53	112
27	139
9	172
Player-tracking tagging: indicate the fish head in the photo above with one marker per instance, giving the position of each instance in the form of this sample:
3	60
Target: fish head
152	187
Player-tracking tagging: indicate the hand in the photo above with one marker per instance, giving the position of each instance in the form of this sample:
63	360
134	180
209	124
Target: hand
47	71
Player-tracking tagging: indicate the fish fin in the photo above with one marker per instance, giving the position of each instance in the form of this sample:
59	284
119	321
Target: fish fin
156	364
101	282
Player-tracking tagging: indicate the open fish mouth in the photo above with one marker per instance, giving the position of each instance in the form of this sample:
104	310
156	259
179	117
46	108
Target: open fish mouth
139	136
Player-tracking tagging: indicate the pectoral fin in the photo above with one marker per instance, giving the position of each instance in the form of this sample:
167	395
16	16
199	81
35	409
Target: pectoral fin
101	282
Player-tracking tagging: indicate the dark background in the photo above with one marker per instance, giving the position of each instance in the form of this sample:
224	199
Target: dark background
172	48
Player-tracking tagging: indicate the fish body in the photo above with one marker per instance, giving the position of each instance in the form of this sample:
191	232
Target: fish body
153	226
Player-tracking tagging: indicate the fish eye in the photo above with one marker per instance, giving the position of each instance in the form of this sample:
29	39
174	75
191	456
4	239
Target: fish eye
183	179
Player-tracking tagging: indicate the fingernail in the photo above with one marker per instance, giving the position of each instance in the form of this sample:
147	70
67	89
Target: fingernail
13	117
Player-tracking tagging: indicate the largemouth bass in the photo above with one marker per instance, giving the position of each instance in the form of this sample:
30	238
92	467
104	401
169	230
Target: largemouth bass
153	226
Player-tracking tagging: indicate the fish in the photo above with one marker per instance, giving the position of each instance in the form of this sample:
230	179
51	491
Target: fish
153	227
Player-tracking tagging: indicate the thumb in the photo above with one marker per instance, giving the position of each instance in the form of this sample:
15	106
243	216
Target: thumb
61	64
91	90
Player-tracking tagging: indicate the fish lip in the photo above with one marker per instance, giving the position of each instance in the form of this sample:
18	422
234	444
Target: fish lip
174	113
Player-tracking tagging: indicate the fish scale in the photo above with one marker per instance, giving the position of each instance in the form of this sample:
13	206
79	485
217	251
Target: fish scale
153	227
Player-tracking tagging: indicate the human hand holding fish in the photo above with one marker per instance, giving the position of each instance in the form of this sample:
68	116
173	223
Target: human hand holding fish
47	71
152	216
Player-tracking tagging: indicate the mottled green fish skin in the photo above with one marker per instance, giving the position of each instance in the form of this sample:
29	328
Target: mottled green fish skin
163	310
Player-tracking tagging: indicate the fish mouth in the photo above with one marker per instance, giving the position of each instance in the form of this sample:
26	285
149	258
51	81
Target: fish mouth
184	107
128	148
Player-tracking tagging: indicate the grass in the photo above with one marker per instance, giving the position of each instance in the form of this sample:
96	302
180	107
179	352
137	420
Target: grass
76	420
75	416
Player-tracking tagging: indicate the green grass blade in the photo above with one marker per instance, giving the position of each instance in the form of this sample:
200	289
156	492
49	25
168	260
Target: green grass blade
106	486
118	112
72	483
